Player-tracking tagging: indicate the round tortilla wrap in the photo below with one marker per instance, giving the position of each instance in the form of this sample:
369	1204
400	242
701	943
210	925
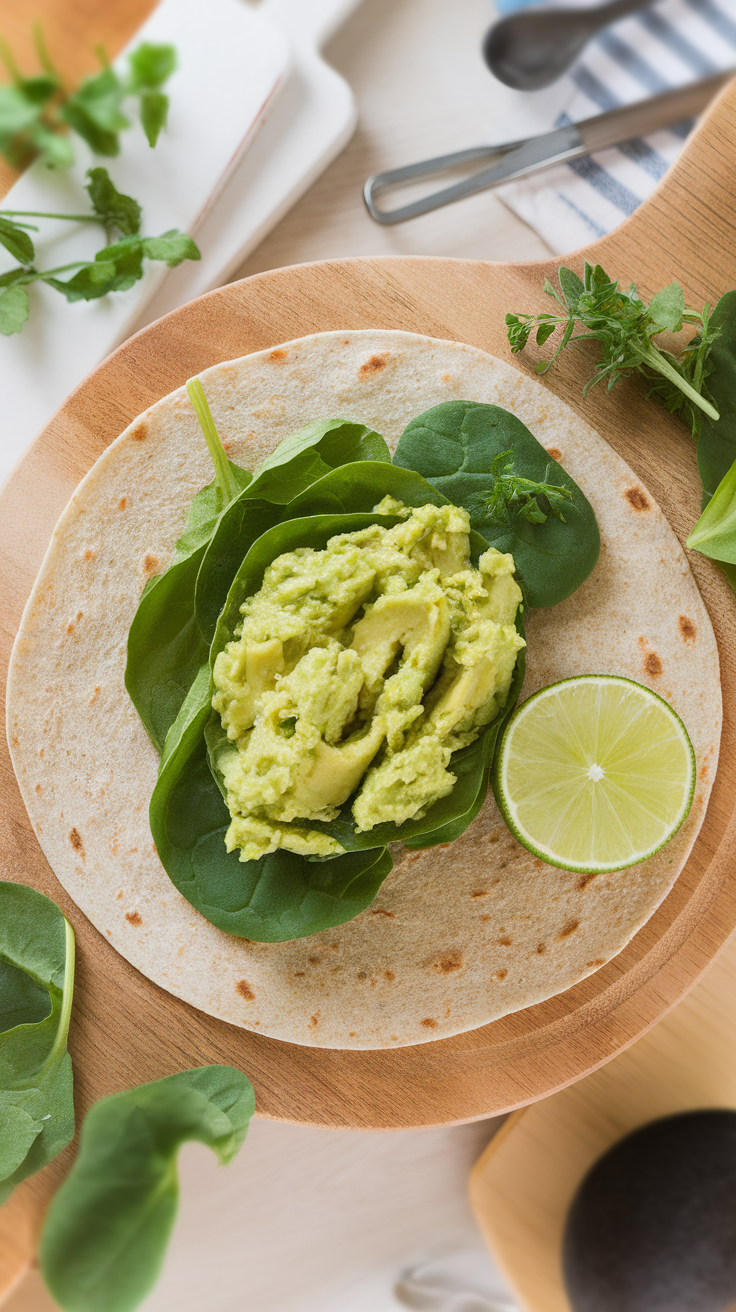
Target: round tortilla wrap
458	935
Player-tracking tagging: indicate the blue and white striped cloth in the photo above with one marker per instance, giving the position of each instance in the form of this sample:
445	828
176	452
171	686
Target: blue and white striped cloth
667	45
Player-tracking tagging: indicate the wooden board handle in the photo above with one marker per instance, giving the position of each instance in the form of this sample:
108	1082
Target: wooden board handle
691	210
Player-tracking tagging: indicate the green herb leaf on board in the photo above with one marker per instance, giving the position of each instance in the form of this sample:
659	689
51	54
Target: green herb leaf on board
36	988
715	532
14	309
105	1235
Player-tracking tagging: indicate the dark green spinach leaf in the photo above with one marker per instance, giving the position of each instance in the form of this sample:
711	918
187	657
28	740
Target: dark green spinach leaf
717	441
106	1232
453	447
36	988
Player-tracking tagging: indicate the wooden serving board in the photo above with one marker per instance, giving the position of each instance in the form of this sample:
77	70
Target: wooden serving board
522	1186
126	1030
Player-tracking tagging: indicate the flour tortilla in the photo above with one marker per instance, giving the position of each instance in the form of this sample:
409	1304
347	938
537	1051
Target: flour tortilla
457	936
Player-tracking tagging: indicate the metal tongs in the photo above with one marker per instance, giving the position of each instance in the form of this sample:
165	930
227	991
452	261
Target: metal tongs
519	158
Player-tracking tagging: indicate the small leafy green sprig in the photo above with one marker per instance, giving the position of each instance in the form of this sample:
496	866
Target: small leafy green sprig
626	326
511	495
36	112
115	268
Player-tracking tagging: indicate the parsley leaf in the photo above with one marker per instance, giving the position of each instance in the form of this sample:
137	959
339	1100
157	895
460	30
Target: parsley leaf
113	208
511	495
36	111
626	326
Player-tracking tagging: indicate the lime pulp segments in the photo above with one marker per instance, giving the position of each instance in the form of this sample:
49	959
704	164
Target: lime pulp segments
595	773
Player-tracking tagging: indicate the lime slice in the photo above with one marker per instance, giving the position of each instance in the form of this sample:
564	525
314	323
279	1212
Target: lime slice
595	773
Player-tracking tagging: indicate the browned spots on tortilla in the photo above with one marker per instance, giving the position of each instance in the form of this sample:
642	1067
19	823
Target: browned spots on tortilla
583	883
652	663
76	841
599	961
149	566
314	961
315	1020
362	974
497	975
554	452
687	628
122	503
245	990
373	365
447	378
429	1023
480	892
636	498
452	960
541	948
278	355
134	917
703	772
411	857
569	928
140	432
299	974
38	788
90	555
353	1035
70	628
95	695
389	975
504	942
493	838
379	911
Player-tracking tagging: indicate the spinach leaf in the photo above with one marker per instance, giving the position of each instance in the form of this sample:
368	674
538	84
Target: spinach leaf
715	532
453	447
178	610
297	463
106	1232
165	646
36	988
717	441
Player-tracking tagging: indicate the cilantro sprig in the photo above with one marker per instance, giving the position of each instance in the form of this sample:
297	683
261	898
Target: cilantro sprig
115	268
37	111
626	326
513	496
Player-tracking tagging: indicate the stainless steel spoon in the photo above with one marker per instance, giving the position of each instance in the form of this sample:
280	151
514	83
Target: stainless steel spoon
530	50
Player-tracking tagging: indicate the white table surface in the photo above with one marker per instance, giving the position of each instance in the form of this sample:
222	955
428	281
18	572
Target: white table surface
310	1220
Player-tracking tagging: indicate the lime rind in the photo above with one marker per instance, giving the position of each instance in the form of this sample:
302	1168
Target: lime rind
547	779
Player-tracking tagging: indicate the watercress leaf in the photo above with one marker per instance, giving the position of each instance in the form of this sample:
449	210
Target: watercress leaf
106	1232
13	309
571	285
717	441
54	149
715	532
151	65
94	110
453	447
115	209
165	647
545	331
36	1107
89	283
154	114
172	246
667	306
17	111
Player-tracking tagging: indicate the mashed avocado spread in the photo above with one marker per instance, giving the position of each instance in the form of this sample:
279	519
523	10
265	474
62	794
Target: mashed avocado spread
363	666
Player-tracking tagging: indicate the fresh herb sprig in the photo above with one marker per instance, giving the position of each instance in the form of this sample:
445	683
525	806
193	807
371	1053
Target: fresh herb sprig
115	268
37	112
626	326
513	496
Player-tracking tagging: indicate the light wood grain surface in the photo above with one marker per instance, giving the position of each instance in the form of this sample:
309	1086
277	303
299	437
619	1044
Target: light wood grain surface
685	231
522	1186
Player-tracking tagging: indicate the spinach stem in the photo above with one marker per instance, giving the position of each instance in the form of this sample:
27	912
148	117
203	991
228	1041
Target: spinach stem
224	477
67	997
655	360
